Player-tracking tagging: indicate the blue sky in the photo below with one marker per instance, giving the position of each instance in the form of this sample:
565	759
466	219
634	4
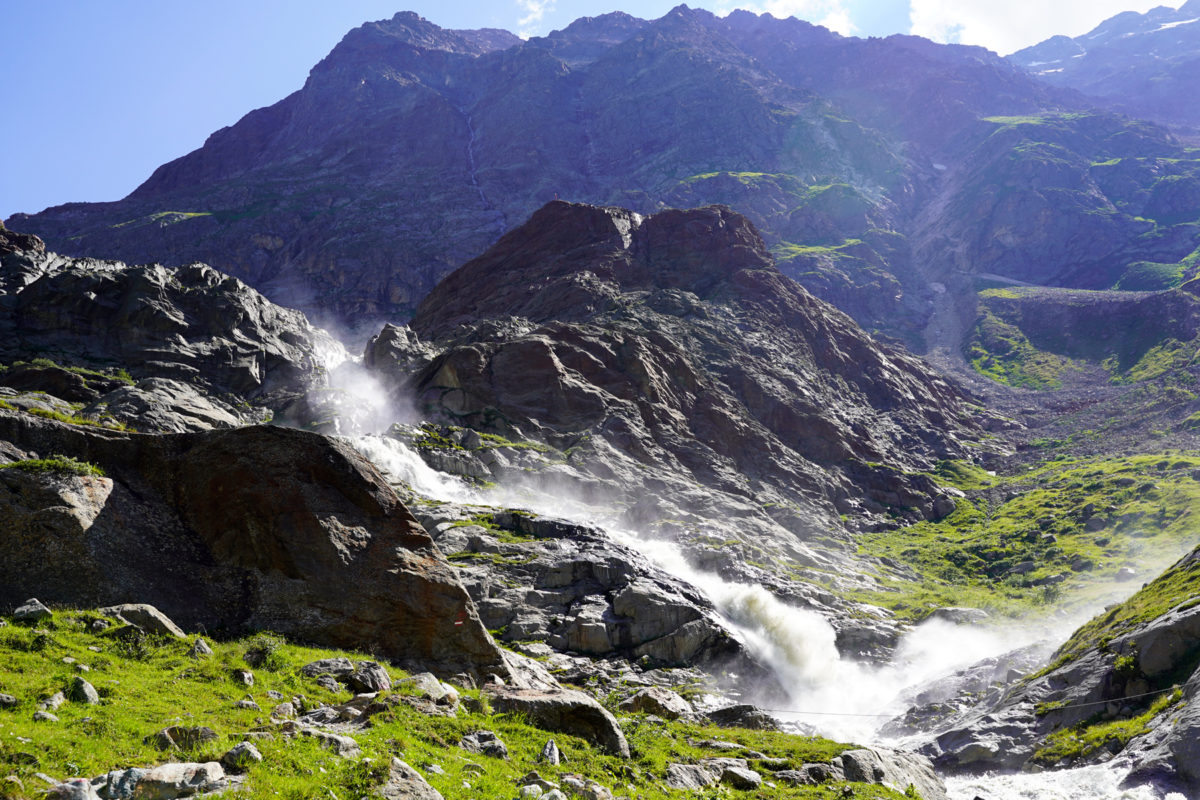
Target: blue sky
98	94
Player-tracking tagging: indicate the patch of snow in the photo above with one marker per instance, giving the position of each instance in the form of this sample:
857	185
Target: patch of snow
1170	25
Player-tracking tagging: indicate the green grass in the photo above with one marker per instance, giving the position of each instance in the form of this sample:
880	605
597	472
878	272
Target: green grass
976	555
1080	741
63	465
146	684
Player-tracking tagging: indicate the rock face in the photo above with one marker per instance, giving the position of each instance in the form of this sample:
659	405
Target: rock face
671	343
194	343
259	528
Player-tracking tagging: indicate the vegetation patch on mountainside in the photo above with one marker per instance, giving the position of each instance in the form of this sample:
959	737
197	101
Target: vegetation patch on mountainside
1066	527
146	683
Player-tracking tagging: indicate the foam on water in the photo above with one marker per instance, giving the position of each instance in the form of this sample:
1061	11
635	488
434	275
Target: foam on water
1086	783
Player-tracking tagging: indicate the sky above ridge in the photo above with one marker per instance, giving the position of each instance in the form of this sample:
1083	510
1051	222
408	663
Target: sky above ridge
98	94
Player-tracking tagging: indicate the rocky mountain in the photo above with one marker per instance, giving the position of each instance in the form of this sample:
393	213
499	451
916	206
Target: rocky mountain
663	369
876	170
1145	65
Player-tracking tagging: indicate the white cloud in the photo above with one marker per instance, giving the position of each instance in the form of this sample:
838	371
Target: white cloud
534	11
1007	27
830	13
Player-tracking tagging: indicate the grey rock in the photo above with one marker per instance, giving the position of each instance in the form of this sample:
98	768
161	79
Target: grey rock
405	783
550	754
200	649
249	705
170	781
343	746
337	667
690	777
895	769
182	737
120	784
742	778
7	701
146	617
32	610
485	743
163	405
960	616
565	710
44	716
74	789
656	700
241	756
244	677
743	716
84	692
369	677
52	702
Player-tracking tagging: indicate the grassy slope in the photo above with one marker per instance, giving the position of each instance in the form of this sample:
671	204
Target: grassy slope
148	684
971	557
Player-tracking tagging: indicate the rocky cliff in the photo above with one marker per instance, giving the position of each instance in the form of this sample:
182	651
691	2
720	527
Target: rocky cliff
664	368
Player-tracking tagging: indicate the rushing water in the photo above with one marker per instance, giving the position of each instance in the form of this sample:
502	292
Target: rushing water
842	699
839	697
1087	783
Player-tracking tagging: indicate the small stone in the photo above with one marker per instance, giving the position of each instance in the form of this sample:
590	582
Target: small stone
284	711
53	701
550	753
200	649
32	610
244	676
183	737
274	695
344	746
435	769
44	716
7	701
531	792
84	692
250	705
240	756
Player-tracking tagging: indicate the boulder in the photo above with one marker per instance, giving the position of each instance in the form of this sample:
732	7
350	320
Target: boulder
146	617
241	756
690	777
743	716
236	529
343	746
169	781
485	743
892	768
565	711
32	610
74	789
658	701
84	692
369	677
405	783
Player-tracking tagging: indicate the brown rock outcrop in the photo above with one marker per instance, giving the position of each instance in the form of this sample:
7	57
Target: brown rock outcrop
253	528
